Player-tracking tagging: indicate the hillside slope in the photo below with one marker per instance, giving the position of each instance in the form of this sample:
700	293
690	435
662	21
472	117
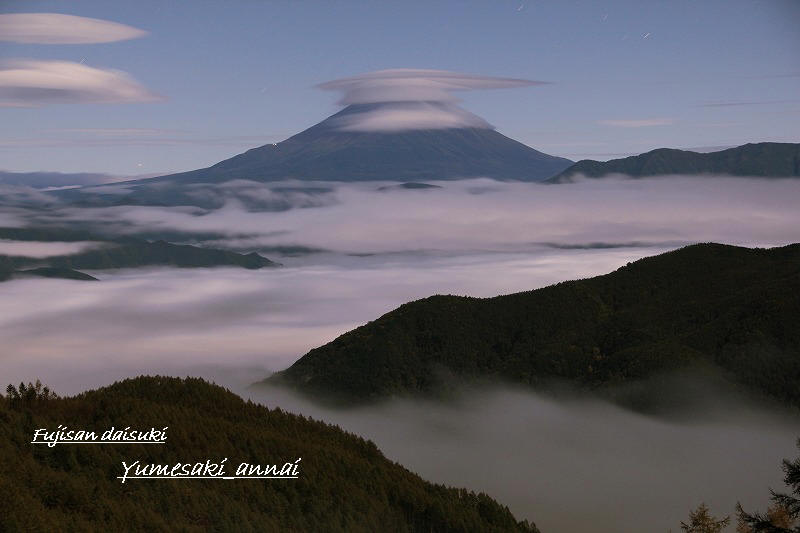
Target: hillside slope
761	159
736	308
345	483
121	252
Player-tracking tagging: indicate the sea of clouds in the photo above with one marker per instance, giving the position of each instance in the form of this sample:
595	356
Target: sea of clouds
353	252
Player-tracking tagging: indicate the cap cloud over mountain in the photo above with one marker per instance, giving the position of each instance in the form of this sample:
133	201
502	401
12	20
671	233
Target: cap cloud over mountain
397	125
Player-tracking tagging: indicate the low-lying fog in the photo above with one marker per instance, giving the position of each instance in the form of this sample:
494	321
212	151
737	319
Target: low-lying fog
469	215
570	464
74	335
35	250
579	463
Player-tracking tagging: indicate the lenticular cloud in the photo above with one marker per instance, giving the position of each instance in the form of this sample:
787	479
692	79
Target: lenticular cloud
34	82
415	85
407	99
58	28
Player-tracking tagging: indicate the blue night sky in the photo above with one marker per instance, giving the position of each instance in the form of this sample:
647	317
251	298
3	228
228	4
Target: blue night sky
223	77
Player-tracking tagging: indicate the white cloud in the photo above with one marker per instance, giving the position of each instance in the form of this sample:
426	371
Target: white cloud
637	123
33	83
411	115
415	85
56	28
405	99
480	214
62	331
36	249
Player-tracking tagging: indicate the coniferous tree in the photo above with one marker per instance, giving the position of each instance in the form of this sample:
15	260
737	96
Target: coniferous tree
701	521
783	516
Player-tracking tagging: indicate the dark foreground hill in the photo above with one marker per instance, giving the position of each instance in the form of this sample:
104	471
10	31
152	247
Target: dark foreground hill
345	483
737	309
774	160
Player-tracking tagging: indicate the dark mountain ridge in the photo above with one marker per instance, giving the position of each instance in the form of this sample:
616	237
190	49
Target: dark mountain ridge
115	252
734	308
53	272
773	160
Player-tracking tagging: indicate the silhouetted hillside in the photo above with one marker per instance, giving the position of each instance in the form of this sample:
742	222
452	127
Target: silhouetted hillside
55	272
762	159
345	483
134	253
736	308
124	252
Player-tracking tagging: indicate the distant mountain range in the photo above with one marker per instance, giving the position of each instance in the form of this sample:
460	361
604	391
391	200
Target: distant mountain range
773	160
123	252
736	309
46	272
39	180
325	152
344	483
329	152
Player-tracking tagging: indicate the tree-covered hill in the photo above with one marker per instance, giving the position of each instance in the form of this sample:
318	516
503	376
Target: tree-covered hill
345	483
760	159
735	308
129	253
119	252
54	272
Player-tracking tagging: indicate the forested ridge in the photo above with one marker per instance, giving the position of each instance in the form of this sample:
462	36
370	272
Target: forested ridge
735	308
772	160
345	483
115	252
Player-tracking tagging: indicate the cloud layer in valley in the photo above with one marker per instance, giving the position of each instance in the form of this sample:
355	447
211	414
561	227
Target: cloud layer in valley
34	249
385	247
57	28
531	452
413	99
75	335
474	215
579	463
353	252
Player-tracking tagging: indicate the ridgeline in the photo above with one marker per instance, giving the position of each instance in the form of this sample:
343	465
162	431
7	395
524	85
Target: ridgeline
114	252
737	309
771	160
